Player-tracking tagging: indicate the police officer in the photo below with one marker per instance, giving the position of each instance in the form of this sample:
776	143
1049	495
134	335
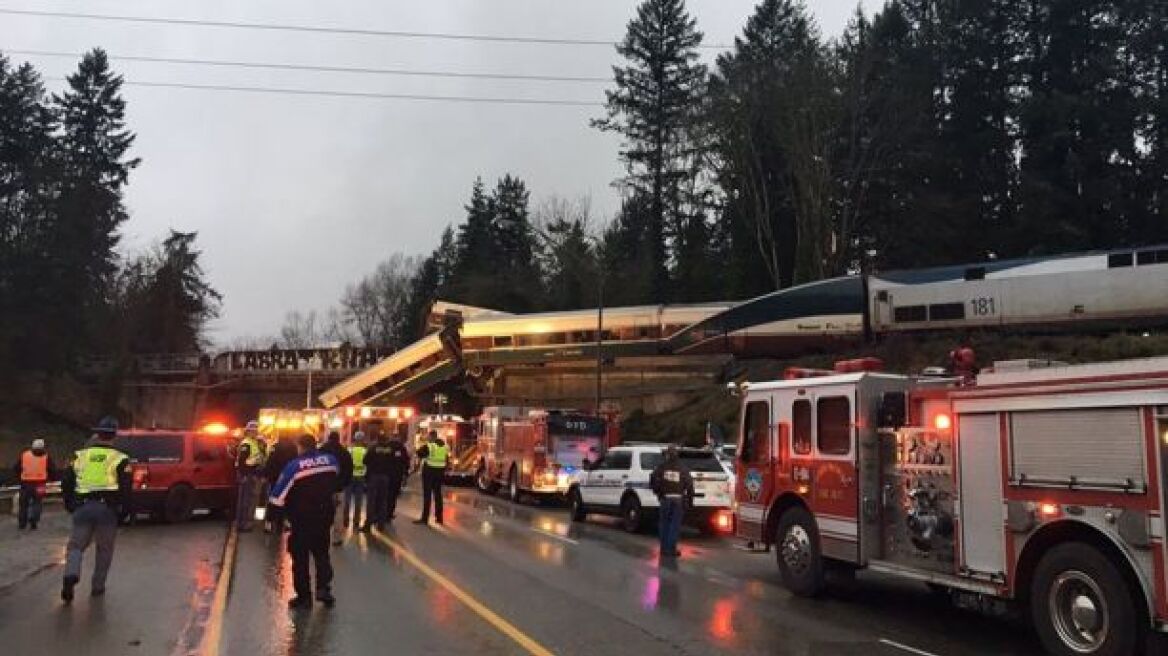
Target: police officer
386	464
355	492
306	490
95	489
333	447
433	455
249	461
34	469
673	485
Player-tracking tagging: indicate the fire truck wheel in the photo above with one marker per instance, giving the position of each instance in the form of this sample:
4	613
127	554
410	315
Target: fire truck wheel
797	552
484	482
576	509
513	486
1080	604
180	503
632	516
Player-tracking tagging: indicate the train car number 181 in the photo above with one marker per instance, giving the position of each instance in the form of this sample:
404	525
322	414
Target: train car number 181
983	306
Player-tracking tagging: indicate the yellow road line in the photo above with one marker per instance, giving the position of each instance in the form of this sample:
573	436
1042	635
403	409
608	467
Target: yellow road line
213	632
504	627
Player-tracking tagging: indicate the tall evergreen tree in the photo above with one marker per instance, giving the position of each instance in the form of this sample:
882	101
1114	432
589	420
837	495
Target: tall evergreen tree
175	300
1078	126
94	167
27	189
517	270
653	106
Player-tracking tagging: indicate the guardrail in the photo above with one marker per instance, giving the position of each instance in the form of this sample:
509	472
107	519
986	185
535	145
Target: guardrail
8	496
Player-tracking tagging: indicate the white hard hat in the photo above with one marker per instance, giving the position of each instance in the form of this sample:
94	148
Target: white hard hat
38	443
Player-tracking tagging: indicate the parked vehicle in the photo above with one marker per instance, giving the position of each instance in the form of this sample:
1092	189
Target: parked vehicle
178	472
1038	485
461	441
618	484
536	451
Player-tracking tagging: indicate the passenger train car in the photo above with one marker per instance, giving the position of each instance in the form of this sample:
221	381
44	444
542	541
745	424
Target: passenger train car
1125	288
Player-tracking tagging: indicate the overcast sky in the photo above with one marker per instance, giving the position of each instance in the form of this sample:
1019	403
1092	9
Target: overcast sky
294	197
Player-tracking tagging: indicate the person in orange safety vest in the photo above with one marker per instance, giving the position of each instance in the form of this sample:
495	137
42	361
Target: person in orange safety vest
34	469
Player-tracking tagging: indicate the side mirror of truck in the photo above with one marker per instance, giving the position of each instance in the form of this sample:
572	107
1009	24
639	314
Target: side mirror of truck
893	410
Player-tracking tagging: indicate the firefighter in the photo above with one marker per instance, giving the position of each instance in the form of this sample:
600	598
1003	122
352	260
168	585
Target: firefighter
673	485
95	489
355	492
249	460
433	458
307	490
34	469
333	447
963	362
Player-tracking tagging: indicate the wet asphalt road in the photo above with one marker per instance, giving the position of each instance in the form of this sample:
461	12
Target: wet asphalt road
569	588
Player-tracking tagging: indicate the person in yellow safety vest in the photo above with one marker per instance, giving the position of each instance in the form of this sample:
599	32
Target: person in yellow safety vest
34	469
433	456
96	489
249	460
355	491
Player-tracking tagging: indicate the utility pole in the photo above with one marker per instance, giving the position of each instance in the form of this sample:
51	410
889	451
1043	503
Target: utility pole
599	331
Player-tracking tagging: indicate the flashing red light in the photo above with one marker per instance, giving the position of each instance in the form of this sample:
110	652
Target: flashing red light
407	413
366	413
1049	510
216	428
723	521
942	422
393	413
350	412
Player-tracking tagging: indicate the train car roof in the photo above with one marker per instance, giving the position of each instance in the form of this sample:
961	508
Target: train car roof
1018	265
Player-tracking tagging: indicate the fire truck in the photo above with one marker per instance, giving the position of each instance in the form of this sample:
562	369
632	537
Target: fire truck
369	420
461	442
1038	485
537	451
275	423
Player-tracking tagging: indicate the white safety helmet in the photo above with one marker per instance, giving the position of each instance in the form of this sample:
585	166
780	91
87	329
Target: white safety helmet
38	443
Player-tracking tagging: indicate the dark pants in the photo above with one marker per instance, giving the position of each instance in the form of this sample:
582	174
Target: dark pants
378	489
355	500
246	488
395	488
432	490
669	523
93	522
30	504
310	538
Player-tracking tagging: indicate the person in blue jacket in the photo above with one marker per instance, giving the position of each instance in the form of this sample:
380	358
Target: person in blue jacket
304	491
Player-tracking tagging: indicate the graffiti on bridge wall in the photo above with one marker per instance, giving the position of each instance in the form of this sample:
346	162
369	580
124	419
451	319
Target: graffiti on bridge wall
330	359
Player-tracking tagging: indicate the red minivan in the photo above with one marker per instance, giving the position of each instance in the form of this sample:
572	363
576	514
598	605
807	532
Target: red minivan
177	472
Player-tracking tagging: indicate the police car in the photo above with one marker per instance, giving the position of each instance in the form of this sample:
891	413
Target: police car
619	485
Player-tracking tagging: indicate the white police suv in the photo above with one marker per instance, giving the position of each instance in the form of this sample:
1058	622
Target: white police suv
619	485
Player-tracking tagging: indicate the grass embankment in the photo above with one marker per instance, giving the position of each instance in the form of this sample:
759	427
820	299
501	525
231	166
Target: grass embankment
901	354
20	424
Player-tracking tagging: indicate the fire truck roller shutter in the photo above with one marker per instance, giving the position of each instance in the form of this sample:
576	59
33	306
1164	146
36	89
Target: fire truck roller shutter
1093	447
982	536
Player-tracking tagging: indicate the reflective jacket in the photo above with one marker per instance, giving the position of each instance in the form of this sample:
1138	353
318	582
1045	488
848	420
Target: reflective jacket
34	467
358	453
99	471
434	454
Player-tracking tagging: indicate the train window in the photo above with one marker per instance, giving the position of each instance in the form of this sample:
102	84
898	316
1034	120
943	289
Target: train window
909	313
946	311
756	426
1117	260
1152	257
975	273
801	426
503	340
835	425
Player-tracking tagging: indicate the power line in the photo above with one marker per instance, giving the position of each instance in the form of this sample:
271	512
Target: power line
189	22
359	94
326	69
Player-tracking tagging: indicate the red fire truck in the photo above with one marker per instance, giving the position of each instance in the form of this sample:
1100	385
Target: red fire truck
1040	484
537	451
